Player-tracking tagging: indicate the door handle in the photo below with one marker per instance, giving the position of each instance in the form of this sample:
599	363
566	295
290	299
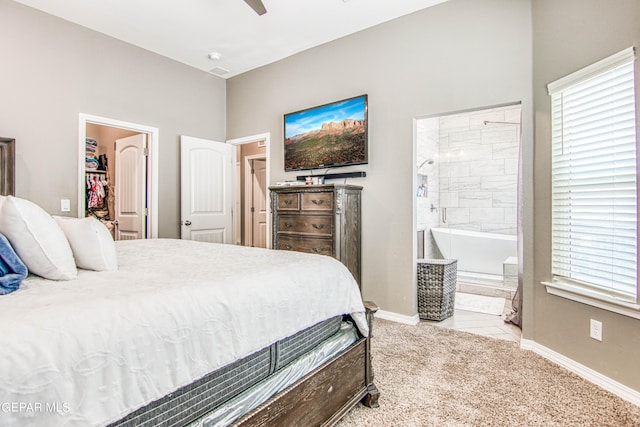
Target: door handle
187	223
115	222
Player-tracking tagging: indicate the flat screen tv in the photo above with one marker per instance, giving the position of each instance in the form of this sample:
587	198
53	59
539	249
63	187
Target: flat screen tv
327	136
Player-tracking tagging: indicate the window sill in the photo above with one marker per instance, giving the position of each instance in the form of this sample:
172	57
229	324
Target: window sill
594	299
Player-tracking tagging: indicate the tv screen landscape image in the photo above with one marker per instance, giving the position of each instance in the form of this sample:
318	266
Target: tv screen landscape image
326	136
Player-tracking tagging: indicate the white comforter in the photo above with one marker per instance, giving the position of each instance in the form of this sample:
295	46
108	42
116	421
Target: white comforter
88	351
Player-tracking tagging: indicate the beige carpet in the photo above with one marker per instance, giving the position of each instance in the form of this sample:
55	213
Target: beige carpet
430	376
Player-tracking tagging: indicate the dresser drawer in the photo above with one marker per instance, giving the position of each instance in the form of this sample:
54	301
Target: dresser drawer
310	245
306	224
288	201
317	201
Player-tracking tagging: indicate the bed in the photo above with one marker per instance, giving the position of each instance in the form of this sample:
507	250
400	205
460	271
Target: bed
187	333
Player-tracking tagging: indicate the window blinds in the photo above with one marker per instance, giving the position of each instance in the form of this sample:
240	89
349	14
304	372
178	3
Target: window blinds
594	207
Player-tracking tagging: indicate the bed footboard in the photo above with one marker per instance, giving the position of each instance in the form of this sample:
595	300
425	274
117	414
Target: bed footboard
371	398
326	394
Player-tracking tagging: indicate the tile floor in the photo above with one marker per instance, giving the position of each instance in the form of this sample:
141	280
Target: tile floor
482	324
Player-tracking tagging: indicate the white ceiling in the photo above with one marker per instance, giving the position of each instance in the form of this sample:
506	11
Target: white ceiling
187	30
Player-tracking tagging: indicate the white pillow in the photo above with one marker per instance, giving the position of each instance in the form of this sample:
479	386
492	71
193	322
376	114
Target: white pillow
37	239
91	243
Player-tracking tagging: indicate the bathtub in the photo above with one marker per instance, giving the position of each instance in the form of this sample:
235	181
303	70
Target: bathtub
476	252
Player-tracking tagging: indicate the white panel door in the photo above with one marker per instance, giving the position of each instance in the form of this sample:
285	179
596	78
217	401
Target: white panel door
130	187
206	190
259	190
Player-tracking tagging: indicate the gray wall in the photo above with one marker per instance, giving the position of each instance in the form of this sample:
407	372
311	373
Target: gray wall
53	70
462	54
569	35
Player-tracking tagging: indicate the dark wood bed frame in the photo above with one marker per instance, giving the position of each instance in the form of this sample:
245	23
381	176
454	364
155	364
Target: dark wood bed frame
322	397
326	394
7	166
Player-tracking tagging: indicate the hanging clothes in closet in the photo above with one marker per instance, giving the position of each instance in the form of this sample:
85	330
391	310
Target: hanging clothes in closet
96	191
96	181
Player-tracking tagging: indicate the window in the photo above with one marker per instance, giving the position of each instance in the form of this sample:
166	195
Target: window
594	178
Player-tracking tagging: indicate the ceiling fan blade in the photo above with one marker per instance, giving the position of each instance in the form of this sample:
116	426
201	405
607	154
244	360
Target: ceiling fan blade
257	6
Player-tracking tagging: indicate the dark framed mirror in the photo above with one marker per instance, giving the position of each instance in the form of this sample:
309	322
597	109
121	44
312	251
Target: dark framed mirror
7	166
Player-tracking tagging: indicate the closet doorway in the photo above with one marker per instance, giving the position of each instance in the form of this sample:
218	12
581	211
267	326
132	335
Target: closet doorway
118	176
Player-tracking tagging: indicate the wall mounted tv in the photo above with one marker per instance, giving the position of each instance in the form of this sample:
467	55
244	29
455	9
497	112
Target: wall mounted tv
327	136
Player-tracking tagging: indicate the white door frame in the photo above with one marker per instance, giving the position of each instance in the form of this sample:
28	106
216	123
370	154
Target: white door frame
266	137
152	164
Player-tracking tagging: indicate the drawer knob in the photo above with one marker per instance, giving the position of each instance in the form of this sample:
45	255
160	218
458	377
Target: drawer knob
288	225
288	247
317	250
288	202
317	202
318	226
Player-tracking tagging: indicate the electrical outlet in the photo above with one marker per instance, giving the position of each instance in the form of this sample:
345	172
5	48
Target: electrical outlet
596	330
65	205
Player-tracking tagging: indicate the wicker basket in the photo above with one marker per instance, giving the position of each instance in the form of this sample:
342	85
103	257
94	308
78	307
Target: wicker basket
436	288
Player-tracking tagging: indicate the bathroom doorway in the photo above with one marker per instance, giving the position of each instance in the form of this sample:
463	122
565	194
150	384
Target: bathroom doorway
254	201
467	195
251	198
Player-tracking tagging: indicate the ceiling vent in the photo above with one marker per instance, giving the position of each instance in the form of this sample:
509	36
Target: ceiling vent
219	71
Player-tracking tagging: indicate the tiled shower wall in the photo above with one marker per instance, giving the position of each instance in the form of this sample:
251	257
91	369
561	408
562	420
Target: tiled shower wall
427	208
473	179
478	171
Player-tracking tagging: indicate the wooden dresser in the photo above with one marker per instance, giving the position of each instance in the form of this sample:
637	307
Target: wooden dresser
322	219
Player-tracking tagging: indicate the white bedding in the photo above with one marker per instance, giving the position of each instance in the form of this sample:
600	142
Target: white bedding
88	351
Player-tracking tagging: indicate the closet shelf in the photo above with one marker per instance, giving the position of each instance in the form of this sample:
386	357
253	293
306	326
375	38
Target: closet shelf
94	171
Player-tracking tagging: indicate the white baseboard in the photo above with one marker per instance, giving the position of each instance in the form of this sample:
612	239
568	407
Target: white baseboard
585	372
399	318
